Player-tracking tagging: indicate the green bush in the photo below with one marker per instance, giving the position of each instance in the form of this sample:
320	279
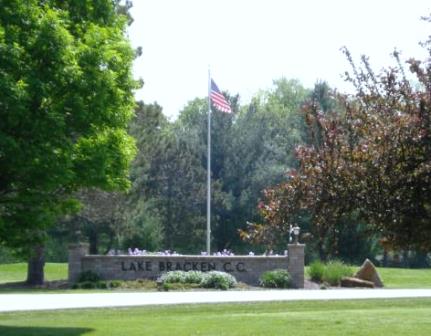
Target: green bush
87	285
115	283
102	285
88	276
214	279
275	279
330	273
218	280
193	277
334	271
316	270
174	277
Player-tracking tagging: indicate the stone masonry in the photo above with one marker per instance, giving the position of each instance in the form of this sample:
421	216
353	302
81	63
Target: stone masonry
296	264
247	269
76	253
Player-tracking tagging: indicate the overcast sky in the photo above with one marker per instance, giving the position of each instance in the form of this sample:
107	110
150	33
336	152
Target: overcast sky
249	43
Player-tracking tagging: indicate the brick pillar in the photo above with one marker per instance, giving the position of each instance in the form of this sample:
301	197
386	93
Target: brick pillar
296	264
76	252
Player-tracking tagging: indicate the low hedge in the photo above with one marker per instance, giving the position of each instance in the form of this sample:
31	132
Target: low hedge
213	279
330	273
279	278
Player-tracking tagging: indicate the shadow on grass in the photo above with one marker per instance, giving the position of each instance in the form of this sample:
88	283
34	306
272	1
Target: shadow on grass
42	331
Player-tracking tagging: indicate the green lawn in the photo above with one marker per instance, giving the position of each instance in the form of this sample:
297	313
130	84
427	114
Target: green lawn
18	272
323	318
405	278
392	277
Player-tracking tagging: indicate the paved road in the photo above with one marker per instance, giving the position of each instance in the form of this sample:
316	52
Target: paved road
23	302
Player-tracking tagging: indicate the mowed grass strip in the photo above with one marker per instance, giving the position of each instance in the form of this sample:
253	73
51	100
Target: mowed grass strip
18	272
405	278
323	318
401	277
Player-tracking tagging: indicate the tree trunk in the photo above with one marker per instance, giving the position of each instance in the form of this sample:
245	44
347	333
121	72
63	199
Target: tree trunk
36	263
322	252
94	241
385	258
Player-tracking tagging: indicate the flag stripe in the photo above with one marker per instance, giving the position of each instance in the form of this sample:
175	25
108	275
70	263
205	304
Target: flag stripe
218	99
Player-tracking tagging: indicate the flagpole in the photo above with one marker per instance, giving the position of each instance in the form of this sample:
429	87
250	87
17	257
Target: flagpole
209	168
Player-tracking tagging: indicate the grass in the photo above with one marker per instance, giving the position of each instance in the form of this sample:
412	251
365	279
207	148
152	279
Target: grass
405	278
392	277
324	318
18	272
401	277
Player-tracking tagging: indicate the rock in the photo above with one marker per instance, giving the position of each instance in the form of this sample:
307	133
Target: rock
369	272
355	282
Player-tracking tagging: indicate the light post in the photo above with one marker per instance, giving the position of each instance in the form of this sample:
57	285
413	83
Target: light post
295	258
295	232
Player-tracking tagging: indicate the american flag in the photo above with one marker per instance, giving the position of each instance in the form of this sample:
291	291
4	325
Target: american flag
218	99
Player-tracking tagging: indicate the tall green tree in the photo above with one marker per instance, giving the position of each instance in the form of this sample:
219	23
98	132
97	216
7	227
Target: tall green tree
168	194
248	152
262	144
65	101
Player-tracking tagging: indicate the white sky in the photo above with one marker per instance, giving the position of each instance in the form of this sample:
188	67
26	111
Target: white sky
250	43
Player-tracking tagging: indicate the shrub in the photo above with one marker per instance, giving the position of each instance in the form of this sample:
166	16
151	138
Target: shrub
102	285
115	283
88	285
279	278
174	277
334	271
316	270
214	279
193	277
88	276
218	280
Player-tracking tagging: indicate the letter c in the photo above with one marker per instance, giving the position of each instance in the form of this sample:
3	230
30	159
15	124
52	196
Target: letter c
226	268
240	267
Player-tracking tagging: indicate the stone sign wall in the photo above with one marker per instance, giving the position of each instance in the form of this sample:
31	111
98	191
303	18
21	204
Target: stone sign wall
244	268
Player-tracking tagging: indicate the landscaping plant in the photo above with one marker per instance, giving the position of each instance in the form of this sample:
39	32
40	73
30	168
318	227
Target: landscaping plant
275	279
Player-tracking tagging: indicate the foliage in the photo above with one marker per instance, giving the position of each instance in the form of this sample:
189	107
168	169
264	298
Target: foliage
275	279
7	256
65	101
111	284
88	276
213	279
100	219
86	285
174	277
334	271
218	280
316	270
330	272
143	225
248	153
168	185
371	157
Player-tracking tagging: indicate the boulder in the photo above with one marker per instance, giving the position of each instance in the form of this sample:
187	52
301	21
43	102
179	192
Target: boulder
355	282
369	272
